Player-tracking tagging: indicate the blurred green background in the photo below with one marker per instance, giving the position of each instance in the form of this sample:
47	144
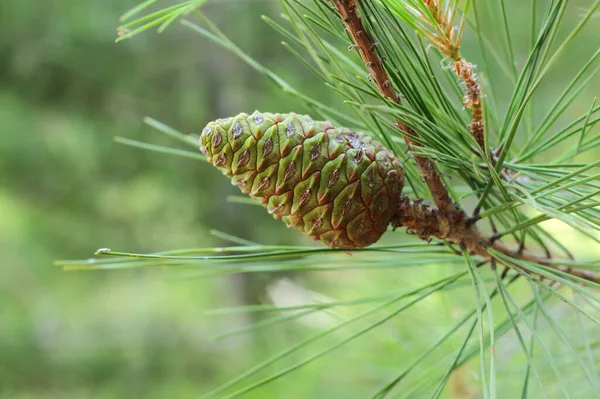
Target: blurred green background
66	189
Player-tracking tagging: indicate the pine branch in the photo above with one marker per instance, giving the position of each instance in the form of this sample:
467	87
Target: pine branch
426	222
366	47
433	127
449	221
448	43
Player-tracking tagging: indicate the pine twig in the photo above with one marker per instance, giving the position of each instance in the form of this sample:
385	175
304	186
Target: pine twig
448	221
426	222
448	43
366	47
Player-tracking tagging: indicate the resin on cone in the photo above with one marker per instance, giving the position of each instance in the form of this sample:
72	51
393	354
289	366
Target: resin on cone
335	185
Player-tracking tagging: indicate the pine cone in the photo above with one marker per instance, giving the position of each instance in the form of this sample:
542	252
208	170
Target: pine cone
331	183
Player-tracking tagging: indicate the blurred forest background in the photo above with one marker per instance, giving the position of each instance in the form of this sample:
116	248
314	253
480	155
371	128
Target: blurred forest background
66	189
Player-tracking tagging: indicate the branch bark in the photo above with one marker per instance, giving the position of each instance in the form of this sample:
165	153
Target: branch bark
366	47
426	222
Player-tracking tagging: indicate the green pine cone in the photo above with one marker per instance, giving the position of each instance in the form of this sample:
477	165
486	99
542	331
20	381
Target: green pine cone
332	184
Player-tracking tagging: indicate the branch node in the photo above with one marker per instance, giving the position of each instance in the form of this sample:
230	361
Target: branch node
521	247
472	220
494	237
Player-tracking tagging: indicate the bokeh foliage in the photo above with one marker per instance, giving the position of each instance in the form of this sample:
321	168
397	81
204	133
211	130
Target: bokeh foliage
66	188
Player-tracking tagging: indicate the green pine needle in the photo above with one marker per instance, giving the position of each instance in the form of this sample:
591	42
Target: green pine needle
515	191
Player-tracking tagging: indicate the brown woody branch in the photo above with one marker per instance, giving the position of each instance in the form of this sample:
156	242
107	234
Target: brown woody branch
426	222
449	44
448	221
472	98
366	47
